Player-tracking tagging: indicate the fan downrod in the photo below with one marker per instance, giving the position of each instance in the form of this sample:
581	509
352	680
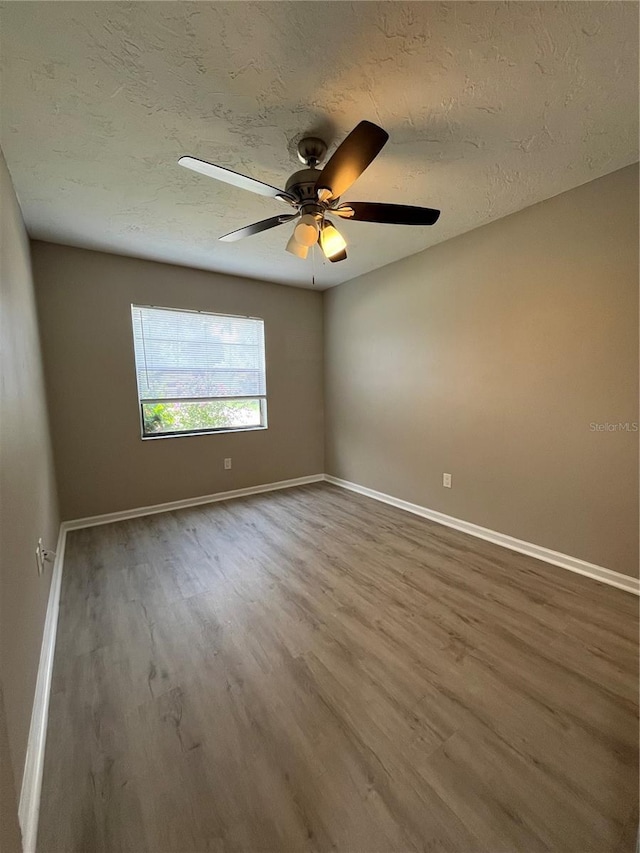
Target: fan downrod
311	151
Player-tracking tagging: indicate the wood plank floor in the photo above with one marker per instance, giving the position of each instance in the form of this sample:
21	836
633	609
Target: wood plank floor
309	670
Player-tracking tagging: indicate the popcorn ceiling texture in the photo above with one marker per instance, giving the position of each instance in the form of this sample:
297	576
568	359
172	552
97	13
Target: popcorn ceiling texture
491	107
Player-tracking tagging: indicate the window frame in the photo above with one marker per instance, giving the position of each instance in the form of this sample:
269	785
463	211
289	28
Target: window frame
262	398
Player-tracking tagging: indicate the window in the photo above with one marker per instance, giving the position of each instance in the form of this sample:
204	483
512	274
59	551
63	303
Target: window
198	372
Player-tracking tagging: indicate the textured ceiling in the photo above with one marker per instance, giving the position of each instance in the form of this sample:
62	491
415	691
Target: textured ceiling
490	107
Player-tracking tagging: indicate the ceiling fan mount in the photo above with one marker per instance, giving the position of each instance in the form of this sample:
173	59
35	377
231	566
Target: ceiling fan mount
314	193
301	186
311	151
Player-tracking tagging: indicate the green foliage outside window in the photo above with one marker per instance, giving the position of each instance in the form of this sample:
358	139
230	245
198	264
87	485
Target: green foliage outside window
172	417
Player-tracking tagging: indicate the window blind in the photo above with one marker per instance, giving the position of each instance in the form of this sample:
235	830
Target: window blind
194	355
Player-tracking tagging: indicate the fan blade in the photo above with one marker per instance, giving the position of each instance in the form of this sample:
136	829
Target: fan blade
234	178
257	227
351	158
391	214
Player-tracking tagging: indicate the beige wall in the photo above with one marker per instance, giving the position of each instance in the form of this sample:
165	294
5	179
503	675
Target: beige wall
103	465
488	357
28	505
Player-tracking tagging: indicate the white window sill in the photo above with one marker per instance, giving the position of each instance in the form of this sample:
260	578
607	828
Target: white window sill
202	432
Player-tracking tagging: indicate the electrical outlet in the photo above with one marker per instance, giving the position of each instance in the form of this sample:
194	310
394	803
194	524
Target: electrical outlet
446	481
227	463
40	557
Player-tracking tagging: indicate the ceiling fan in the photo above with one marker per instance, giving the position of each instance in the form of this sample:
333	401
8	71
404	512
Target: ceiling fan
315	193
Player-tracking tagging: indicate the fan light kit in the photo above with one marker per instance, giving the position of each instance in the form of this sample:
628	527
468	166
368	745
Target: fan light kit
314	193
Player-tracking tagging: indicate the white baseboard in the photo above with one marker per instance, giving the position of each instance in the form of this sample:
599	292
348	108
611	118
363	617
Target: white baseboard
29	806
110	517
573	564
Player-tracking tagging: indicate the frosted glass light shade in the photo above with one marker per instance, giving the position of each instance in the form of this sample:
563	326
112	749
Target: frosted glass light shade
332	242
306	231
296	249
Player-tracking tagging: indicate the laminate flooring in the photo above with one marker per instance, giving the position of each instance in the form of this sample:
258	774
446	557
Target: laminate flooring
310	670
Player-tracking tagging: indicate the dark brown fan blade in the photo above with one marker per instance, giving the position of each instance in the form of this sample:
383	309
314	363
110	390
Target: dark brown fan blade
351	158
392	214
235	178
257	227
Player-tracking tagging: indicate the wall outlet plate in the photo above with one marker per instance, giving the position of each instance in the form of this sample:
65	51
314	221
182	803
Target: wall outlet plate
40	557
227	463
446	481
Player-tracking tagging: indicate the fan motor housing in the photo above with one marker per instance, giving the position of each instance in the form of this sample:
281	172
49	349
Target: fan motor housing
302	185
